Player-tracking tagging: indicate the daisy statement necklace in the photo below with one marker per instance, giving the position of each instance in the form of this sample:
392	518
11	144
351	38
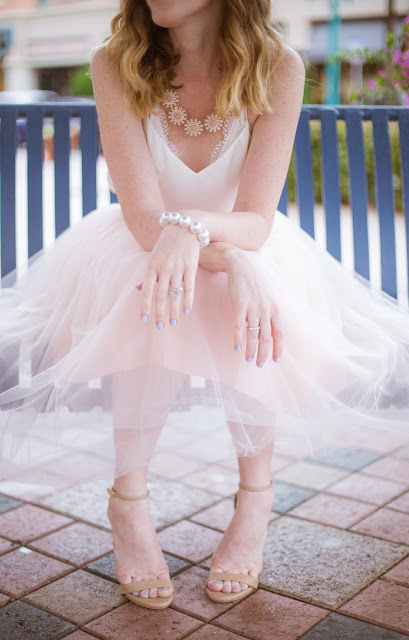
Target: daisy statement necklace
192	126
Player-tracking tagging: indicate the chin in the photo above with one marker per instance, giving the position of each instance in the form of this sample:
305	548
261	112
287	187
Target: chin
173	13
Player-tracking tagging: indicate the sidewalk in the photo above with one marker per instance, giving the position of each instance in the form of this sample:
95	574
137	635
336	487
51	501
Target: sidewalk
336	563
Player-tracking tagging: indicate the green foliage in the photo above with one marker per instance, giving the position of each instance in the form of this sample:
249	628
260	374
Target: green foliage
343	163
80	82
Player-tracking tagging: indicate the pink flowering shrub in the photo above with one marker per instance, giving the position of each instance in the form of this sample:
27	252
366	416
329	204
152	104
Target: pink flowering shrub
390	85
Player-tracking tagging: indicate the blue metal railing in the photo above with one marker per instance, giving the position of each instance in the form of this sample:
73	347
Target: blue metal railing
34	115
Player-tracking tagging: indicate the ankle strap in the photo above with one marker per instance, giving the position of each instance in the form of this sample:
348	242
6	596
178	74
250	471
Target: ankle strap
247	488
116	494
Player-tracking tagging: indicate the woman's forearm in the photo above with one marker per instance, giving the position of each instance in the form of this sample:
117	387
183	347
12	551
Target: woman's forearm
243	229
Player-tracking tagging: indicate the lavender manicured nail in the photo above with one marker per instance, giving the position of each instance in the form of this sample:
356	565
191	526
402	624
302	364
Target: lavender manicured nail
186	310
144	318
159	325
173	321
261	364
277	359
250	359
238	348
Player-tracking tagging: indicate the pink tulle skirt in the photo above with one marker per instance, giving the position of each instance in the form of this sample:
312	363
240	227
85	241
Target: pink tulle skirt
84	383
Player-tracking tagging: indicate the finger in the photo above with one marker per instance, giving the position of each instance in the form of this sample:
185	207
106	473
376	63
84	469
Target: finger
278	337
161	299
148	290
239	337
174	299
264	339
189	278
252	336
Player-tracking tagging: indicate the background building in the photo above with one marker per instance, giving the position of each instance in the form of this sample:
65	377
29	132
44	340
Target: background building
44	41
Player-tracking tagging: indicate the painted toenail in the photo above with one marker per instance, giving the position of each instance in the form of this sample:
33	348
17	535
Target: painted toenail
154	591
243	585
163	588
146	592
216	581
236	587
136	593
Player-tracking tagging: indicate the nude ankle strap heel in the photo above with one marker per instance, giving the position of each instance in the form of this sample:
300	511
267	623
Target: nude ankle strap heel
251	581
116	494
129	587
247	488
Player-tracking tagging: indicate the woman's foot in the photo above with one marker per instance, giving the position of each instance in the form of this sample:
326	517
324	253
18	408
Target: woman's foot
137	552
241	548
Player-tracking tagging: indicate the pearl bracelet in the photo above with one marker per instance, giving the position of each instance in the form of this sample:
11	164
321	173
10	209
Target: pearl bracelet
186	221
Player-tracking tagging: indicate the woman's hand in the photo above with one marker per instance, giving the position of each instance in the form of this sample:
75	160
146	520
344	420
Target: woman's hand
173	263
252	304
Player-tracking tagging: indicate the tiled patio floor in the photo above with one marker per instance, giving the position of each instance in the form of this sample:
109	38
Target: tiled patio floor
336	562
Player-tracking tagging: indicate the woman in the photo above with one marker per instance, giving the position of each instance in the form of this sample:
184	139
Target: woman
198	103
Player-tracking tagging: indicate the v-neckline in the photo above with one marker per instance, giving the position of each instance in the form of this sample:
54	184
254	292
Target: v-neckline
211	164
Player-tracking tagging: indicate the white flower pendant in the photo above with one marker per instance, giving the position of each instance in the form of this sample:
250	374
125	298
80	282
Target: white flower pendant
177	115
213	123
171	99
193	127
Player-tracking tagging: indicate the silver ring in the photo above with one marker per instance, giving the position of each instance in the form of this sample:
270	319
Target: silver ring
254	328
178	290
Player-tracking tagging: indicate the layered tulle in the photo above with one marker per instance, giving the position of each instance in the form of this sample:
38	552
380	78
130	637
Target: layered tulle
86	386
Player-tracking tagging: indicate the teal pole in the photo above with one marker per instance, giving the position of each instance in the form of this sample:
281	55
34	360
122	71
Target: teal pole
332	69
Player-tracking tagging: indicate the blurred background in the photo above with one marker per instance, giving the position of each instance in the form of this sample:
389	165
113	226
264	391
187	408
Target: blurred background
45	44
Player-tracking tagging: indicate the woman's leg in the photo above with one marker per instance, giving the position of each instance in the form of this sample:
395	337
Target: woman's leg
138	555
241	548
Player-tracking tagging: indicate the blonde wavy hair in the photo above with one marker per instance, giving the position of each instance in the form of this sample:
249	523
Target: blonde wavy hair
142	55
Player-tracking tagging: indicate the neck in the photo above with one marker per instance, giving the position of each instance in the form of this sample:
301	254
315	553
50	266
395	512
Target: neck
197	42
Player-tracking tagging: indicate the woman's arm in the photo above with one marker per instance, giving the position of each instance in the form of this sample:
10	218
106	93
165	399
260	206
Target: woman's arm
264	172
129	161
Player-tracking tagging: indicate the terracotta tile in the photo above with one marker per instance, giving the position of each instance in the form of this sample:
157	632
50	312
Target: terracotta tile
173	466
23	570
266	615
78	543
399	573
6	545
338	627
209	632
387	524
189	540
4	599
28	522
190	595
391	468
136	623
21	621
333	510
214	478
368	488
401	503
78	597
311	475
381	603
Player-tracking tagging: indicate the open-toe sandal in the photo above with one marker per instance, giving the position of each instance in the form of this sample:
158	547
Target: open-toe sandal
128	588
251	581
